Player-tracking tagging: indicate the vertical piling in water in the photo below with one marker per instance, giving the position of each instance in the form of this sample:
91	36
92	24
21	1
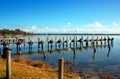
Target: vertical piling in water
70	41
47	42
51	46
17	48
94	47
101	40
104	40
74	52
8	64
47	38
87	42
66	41
108	40
73	41
76	41
13	42
19	42
92	39
30	45
112	41
44	55
61	68
24	42
38	42
109	48
48	45
55	42
38	45
42	45
59	43
63	42
94	52
82	41
97	40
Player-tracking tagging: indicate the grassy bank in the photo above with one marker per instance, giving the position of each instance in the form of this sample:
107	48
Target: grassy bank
25	71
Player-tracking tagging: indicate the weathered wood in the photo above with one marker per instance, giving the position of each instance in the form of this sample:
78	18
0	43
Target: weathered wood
60	43
0	52
61	68
8	64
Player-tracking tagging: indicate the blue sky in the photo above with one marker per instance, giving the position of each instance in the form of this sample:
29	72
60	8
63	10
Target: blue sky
61	16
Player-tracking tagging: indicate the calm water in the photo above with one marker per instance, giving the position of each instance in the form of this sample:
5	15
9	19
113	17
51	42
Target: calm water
83	61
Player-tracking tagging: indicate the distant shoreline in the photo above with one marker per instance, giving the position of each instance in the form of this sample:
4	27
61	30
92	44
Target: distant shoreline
60	34
70	34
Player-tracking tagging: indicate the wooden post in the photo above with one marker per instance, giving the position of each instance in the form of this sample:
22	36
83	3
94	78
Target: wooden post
47	38
59	45
94	53
38	45
86	42
61	68
8	64
51	46
13	42
4	52
76	41
70	41
112	41
82	41
66	41
42	46
17	48
56	42
48	45
108	50
63	42
0	52
38	42
101	40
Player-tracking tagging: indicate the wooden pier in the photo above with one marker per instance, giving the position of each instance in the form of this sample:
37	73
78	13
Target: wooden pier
61	43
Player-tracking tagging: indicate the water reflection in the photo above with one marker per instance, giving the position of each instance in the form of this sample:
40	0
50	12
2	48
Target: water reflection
43	52
94	53
74	56
109	48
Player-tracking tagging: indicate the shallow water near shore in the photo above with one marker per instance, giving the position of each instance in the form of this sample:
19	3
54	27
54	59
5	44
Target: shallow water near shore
84	61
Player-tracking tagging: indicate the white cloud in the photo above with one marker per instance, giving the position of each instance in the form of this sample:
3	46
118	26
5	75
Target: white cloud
115	24
69	24
96	24
96	27
36	29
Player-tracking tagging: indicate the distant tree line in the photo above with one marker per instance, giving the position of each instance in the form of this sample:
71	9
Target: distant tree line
16	31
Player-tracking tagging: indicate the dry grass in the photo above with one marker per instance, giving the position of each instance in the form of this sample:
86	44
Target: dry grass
40	70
